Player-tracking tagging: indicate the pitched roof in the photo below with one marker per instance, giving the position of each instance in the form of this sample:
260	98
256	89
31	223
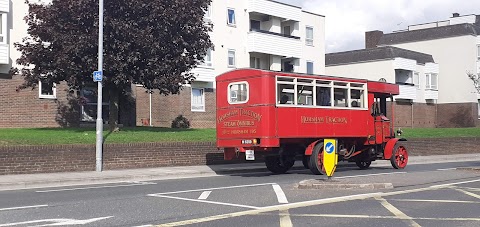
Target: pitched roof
430	34
372	54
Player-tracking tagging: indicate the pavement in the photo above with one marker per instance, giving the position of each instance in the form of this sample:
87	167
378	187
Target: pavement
26	181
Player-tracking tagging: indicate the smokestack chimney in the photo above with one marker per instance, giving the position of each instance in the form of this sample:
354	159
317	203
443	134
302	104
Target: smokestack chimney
372	39
456	14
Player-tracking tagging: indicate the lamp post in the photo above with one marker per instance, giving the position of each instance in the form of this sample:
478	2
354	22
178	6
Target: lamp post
99	141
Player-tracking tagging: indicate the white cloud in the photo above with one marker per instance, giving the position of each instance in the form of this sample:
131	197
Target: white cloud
348	20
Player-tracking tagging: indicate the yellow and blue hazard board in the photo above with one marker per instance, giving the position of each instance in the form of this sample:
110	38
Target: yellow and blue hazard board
330	157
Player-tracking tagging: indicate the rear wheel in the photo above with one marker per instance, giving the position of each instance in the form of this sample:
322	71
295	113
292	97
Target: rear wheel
305	161
399	157
363	164
276	165
316	160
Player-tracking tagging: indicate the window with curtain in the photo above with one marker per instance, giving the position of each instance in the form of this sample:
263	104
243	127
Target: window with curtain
198	99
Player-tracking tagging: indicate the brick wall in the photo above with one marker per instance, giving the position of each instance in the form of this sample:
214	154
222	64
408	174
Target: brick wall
166	108
24	108
424	115
64	158
453	115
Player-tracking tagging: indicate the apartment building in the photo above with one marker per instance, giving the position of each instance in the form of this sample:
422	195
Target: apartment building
416	74
262	34
247	33
444	93
455	45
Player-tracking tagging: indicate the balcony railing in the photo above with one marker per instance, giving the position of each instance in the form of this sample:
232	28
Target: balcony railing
407	92
274	8
274	33
274	43
431	94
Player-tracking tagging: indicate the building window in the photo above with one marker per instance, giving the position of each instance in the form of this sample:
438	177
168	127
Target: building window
254	25
207	60
238	93
208	13
255	63
3	28
231	58
478	52
431	80
46	90
89	104
198	99
309	36
231	17
416	79
309	67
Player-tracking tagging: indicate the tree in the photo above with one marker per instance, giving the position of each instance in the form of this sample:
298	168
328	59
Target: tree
154	43
475	79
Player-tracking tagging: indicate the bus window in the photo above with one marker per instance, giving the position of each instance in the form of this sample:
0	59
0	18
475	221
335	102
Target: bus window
340	97
305	95
323	96
356	98
238	93
285	94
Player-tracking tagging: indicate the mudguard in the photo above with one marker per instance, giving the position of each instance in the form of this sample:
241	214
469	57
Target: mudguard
387	153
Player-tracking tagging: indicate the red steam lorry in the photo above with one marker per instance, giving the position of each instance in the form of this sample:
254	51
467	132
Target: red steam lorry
281	115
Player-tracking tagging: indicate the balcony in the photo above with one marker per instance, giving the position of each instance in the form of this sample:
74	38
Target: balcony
431	94
274	43
276	9
4	54
407	91
204	73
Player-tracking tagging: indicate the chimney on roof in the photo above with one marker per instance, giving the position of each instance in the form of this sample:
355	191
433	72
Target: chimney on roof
372	39
456	14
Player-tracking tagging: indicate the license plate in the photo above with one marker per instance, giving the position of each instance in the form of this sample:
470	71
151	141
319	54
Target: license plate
249	155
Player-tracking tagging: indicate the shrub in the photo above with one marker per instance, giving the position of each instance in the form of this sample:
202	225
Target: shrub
181	122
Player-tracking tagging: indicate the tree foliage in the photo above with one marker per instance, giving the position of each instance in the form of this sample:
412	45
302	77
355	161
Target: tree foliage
153	43
475	79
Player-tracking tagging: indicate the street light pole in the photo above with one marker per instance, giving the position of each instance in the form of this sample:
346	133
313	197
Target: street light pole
99	142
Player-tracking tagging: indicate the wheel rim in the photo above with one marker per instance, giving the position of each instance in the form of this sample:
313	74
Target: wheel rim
401	157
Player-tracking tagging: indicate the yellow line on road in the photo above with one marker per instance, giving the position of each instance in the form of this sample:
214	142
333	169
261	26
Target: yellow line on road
381	217
397	212
285	220
432	201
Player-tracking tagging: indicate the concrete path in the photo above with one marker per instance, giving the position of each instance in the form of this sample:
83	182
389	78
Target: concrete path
25	181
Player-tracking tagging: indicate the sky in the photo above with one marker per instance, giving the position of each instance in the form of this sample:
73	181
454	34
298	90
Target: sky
346	21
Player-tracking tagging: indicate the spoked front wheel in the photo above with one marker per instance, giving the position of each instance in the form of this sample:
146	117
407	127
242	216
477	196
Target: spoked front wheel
399	157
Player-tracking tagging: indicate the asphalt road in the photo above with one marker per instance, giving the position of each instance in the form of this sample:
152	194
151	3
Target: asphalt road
423	195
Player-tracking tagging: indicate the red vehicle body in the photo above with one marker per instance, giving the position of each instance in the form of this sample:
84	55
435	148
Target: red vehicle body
282	115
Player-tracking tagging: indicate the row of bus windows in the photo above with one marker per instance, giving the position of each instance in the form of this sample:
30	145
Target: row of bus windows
320	96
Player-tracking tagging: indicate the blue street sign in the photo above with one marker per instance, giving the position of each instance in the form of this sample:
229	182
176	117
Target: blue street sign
329	147
97	76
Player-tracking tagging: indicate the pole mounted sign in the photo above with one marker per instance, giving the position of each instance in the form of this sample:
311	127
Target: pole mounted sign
97	76
330	157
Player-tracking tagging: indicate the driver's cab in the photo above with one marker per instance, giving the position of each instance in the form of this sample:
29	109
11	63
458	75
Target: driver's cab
382	124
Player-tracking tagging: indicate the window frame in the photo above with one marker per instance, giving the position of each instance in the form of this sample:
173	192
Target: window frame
232	23
321	83
229	92
234	58
206	63
94	103
3	29
313	67
192	104
416	79
208	13
43	96
428	79
308	40
478	52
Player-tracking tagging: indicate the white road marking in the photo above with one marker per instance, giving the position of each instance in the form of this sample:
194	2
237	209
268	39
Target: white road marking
97	187
432	201
56	222
446	169
204	195
367	175
20	208
470	189
210	189
205	201
468	193
280	194
397	212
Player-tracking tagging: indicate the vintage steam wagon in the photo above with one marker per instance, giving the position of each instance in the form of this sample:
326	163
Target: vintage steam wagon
283	115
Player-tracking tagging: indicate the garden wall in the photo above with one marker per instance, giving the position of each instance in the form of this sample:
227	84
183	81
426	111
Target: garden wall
68	158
